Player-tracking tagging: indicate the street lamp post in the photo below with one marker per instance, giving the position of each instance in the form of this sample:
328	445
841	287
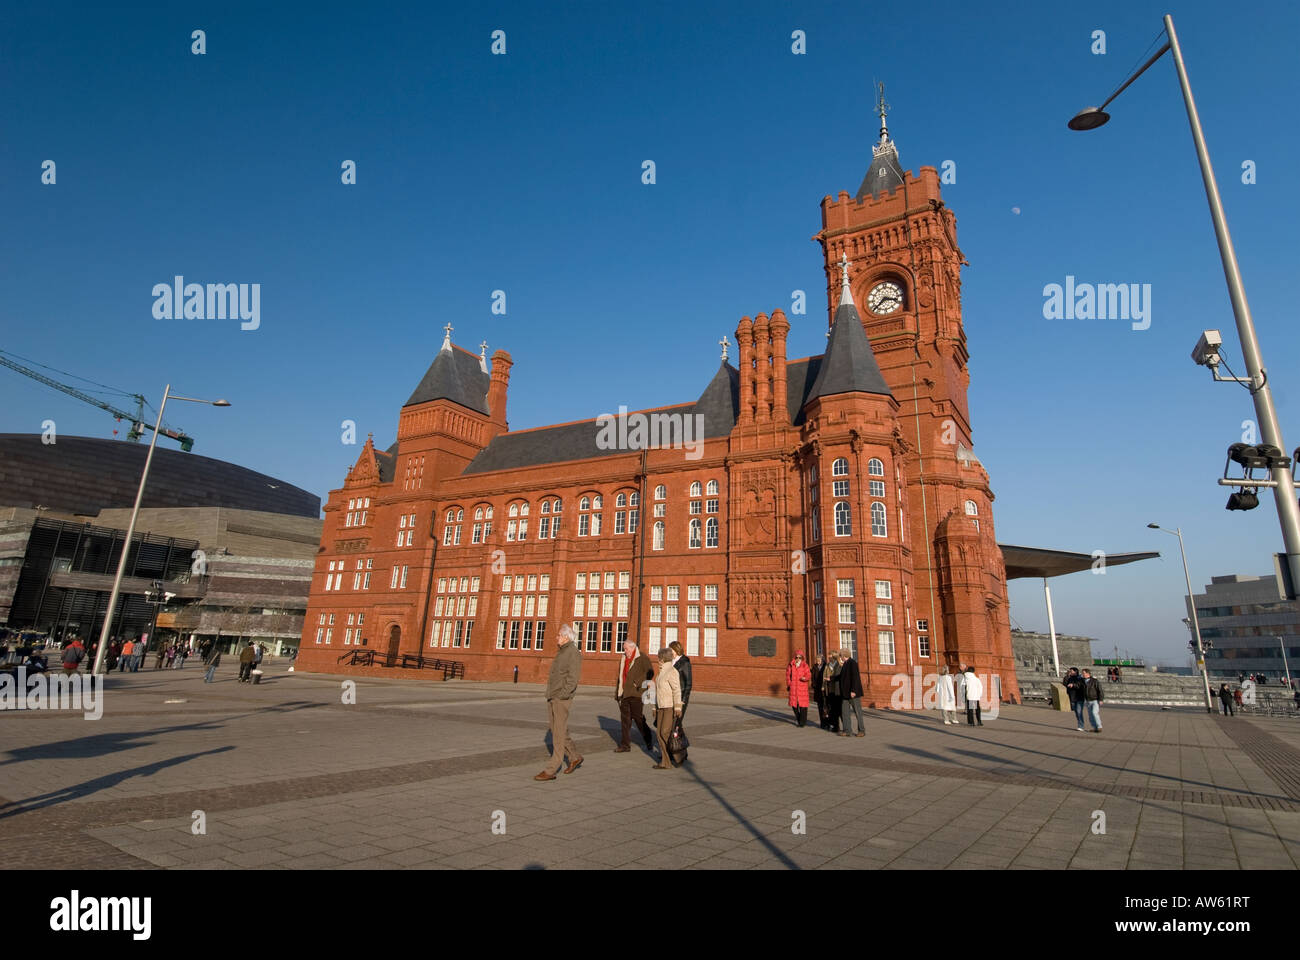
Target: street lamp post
1285	667
1284	490
1196	622
104	634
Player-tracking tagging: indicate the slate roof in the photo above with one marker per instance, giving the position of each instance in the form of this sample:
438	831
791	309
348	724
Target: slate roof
386	460
848	365
885	173
456	375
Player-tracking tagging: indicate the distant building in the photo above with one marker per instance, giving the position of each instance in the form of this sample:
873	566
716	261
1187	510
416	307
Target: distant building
234	547
1246	625
1033	651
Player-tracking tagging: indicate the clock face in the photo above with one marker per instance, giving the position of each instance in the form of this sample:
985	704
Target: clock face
885	298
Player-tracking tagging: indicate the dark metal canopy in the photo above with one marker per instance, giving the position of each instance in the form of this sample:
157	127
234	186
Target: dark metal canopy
1036	562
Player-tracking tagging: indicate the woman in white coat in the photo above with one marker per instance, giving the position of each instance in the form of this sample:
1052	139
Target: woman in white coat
974	691
947	696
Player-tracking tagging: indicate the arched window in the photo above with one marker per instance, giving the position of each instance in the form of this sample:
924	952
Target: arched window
450	515
812	477
694	541
460	515
840	468
546	506
595	502
816	524
875	468
584	503
514	509
712	488
972	508
878	520
711	532
658	535
523	510
635	500
695	489
620	500
478	513
556	506
844	519
661	492
488	514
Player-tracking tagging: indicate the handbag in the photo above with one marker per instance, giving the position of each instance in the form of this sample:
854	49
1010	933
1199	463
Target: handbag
677	742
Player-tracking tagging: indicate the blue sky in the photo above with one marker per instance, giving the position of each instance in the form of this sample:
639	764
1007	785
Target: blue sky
523	173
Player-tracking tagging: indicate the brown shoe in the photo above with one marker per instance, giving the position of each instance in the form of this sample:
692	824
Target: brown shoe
544	776
622	749
573	766
843	734
660	766
859	734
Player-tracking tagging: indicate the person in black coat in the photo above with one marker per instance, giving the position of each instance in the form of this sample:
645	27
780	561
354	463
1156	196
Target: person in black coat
682	663
831	690
850	693
1225	701
818	690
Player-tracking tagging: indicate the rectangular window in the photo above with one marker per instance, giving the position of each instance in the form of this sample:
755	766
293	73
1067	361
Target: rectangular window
502	627
331	619
653	643
624	579
473	584
632	517
620	522
446	536
923	646
322	619
885	614
460	606
477	535
584	524
528	635
607	605
512	528
673	592
711	507
435	633
840	488
523	529
504	609
606	637
442	584
365	584
592	627
844	588
532	582
817	613
886	638
847	613
530	603
517	605
693	613
447	632
659	509
609	580
473	608
404	569
469	628
710	613
692	641
623	604
710	641
849	641
361	618
397	572
710	591
514	634
884	590
541	633
544	584
670	613
656	594
693	592
696	507
877	488
356	581
620	635
319	633
437	606
582	582
328	634
592	600
923	626
656	612
542	603
670	636
595	524
578	605
507	583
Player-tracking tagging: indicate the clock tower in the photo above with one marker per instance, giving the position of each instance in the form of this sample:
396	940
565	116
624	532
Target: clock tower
901	242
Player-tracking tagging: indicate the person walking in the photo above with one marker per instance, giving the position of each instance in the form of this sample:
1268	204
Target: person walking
668	696
797	678
181	655
682	664
947	696
246	657
561	685
851	693
633	668
73	654
1225	701
1075	689
1093	696
126	657
818	690
258	652
831	687
213	660
974	691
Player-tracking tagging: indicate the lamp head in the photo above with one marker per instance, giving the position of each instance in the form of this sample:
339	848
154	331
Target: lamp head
221	403
1089	118
1154	526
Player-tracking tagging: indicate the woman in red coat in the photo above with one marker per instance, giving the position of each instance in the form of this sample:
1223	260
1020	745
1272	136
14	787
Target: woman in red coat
797	676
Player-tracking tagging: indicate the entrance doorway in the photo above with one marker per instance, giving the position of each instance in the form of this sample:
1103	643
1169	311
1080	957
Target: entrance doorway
394	642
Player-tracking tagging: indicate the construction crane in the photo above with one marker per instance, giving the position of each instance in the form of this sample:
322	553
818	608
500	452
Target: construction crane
137	421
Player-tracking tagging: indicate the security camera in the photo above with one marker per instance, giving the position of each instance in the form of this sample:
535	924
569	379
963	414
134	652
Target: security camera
1206	353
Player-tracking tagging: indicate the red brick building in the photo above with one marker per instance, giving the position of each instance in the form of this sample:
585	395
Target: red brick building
810	503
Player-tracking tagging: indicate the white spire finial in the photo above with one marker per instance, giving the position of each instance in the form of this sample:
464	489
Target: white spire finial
846	295
724	343
446	339
482	356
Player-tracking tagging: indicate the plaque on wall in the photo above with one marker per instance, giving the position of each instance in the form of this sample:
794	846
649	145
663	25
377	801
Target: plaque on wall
762	646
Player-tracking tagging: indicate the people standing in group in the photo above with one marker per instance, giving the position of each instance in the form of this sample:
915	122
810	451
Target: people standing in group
258	651
73	653
682	664
974	691
1093	697
1075	688
1225	701
668	697
797	678
851	693
947	696
246	657
633	668
818	690
831	689
561	686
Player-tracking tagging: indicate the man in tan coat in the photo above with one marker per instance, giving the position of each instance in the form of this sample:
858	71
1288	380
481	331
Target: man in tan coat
633	669
561	685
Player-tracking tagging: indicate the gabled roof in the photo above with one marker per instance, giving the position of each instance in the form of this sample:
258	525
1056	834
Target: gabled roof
848	365
456	375
386	461
719	404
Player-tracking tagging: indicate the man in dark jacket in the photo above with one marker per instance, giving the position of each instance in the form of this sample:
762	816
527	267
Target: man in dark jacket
561	685
682	663
633	670
246	659
1074	687
851	692
1092	697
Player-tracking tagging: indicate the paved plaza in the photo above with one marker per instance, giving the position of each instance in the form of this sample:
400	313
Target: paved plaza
421	773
